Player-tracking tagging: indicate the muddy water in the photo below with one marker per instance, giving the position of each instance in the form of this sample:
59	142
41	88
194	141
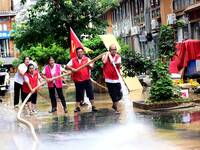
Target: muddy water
178	129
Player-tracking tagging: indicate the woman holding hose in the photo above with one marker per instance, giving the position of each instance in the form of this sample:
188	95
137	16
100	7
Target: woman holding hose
51	70
31	78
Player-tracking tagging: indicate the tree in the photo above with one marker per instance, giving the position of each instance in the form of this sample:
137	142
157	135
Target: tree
49	21
162	86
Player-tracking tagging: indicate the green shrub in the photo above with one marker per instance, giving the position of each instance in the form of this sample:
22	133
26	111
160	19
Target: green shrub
40	54
134	63
162	85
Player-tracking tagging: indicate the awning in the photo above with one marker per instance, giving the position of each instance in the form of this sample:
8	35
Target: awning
7	13
4	34
192	7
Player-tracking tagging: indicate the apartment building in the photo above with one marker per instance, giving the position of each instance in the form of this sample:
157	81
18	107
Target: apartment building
188	12
138	23
7	18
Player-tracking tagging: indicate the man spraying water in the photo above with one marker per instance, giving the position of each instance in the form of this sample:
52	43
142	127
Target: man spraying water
112	61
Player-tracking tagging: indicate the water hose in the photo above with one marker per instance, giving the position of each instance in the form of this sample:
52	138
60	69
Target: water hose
27	123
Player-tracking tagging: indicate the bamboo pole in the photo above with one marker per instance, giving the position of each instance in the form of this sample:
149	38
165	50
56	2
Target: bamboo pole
119	75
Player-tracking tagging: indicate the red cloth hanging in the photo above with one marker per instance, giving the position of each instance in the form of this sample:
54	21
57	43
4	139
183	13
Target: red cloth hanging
186	51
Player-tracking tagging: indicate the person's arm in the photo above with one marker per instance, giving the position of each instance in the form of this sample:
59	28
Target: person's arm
20	70
105	57
91	65
26	79
69	66
118	62
40	79
66	72
44	76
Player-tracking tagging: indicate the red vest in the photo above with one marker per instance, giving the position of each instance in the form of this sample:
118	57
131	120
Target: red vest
109	71
33	80
83	74
58	81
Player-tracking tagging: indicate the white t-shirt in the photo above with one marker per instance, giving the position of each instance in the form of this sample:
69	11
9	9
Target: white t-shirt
34	64
79	60
19	78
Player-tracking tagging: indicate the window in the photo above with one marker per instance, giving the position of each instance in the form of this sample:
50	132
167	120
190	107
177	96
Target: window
181	4
4	19
5	27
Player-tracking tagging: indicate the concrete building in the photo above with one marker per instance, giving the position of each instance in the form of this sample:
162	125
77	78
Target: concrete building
188	12
7	18
138	21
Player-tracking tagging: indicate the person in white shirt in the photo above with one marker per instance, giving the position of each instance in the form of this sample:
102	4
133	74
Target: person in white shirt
111	71
19	79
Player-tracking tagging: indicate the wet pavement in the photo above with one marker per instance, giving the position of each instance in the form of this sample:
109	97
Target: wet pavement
173	129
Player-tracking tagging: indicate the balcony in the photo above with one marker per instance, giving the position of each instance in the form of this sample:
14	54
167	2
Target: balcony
7	13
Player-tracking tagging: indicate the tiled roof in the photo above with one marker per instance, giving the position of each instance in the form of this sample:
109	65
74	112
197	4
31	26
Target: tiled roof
7	13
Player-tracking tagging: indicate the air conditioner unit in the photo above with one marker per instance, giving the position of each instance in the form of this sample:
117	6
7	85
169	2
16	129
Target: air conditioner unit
154	24
127	29
135	30
171	18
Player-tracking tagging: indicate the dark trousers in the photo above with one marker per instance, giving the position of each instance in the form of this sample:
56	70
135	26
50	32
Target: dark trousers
84	86
53	97
114	90
32	99
17	90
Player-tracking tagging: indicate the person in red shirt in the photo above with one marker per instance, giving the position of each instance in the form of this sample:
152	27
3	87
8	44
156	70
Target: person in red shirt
81	78
31	78
111	76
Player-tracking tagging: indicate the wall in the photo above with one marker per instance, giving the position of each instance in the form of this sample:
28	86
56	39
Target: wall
5	5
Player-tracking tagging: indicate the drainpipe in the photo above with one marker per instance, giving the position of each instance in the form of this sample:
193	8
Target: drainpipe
147	20
189	26
147	15
189	30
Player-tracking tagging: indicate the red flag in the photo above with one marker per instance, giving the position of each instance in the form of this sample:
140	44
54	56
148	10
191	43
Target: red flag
75	42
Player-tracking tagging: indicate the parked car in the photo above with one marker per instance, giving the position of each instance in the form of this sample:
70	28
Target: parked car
4	80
